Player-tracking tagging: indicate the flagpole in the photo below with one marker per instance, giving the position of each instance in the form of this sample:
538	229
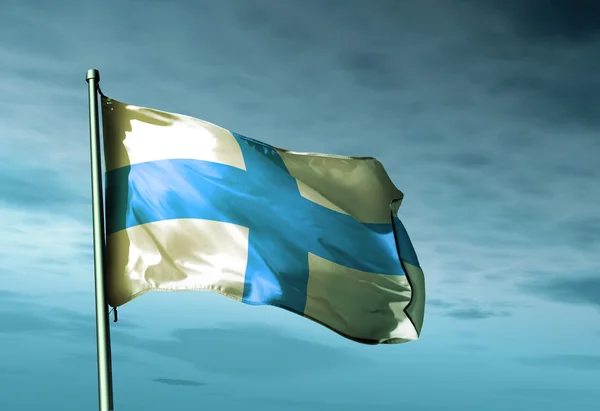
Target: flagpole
105	394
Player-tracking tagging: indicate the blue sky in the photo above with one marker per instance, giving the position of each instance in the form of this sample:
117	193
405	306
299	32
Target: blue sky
486	114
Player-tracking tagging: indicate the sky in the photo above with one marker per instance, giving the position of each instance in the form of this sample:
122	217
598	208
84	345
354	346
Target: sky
486	115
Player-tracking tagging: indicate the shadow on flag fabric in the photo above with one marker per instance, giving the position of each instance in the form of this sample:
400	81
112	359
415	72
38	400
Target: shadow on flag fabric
193	206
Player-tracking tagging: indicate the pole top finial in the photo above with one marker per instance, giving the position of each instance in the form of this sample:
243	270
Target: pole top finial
93	74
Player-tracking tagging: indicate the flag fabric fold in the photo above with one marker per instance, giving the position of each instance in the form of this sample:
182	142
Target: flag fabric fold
193	206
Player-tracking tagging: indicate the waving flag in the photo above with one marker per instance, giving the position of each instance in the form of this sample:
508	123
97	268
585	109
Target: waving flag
193	206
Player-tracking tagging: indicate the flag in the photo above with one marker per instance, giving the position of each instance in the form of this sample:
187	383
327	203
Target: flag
193	206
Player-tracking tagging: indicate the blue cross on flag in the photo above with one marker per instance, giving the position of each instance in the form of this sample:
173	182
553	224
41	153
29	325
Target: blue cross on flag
193	206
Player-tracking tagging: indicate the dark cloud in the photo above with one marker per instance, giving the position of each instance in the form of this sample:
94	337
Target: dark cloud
529	186
434	302
467	310
568	20
474	314
577	290
372	69
567	95
181	383
288	28
583	232
472	160
576	172
535	59
573	362
463	190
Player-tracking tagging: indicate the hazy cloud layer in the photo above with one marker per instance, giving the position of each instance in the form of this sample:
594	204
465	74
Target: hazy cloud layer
245	350
237	349
20	314
577	290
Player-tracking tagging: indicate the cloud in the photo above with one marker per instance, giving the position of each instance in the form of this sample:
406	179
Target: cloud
236	349
582	232
21	315
531	60
43	250
180	383
467	310
574	290
241	350
29	186
474	314
372	69
572	362
471	160
282	26
449	113
568	20
437	303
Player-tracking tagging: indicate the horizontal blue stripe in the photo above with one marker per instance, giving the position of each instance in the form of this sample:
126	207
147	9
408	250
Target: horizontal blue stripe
171	189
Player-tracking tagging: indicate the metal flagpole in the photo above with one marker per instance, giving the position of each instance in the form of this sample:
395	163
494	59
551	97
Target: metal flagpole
105	394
